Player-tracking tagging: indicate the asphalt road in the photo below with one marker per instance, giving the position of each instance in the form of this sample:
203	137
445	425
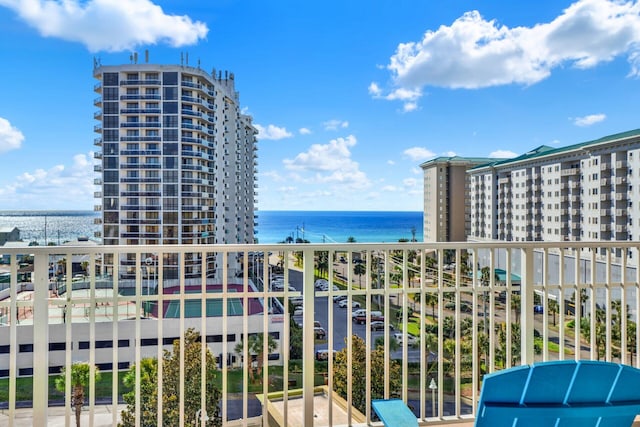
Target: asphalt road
341	322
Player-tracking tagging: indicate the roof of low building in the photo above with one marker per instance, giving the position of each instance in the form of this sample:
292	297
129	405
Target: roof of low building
16	245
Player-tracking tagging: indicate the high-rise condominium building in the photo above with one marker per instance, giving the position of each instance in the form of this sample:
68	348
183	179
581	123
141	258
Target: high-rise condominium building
446	198
588	191
178	158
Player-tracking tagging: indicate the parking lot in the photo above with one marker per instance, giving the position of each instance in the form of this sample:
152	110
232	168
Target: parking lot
342	323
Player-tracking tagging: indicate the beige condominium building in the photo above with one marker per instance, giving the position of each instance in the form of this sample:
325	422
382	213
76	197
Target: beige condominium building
583	192
446	194
177	157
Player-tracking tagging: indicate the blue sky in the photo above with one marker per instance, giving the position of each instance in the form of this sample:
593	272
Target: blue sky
349	97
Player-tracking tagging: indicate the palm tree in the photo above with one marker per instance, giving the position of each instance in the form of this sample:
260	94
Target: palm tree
359	270
553	308
256	348
85	267
431	299
415	298
631	339
584	297
80	376
323	262
516	306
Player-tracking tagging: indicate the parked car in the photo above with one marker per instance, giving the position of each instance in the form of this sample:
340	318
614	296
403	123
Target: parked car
378	325
298	311
343	304
359	312
279	287
361	318
338	298
320	282
324	354
325	287
319	333
411	340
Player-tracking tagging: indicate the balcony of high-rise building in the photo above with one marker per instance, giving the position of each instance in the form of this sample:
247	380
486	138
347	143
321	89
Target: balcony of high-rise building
437	318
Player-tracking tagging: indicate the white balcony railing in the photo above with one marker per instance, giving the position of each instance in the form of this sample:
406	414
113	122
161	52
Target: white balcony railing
458	311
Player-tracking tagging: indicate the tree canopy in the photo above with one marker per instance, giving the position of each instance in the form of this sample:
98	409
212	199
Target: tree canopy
80	377
359	372
171	386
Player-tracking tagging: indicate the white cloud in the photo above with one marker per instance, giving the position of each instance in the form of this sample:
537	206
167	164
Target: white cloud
417	171
502	154
390	188
407	107
391	162
288	189
410	182
409	97
418	154
10	137
108	25
304	131
449	153
335	124
59	187
475	53
329	163
272	132
374	89
589	120
273	175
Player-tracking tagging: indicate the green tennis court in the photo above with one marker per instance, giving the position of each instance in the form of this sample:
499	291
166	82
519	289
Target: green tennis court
193	308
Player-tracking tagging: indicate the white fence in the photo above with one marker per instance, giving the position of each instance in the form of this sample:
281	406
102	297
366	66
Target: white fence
452	312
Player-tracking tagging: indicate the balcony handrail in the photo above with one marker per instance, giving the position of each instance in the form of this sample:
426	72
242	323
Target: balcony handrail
532	261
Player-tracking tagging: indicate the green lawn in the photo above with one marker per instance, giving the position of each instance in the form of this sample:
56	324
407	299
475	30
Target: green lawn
24	385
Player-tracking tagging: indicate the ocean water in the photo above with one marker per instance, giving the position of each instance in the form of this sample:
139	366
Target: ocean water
273	226
54	226
338	226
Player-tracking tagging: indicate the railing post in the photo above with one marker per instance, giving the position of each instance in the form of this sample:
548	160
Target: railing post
308	361
526	306
40	340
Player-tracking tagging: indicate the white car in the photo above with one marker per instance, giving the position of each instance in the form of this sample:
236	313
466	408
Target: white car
325	287
298	311
411	340
320	282
343	304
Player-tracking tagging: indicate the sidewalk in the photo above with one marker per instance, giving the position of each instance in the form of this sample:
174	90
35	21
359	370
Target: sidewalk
103	417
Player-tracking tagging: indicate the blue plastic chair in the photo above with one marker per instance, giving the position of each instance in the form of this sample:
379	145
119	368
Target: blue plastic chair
561	393
394	413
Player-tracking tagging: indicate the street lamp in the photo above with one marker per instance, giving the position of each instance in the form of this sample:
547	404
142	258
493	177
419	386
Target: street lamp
433	388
